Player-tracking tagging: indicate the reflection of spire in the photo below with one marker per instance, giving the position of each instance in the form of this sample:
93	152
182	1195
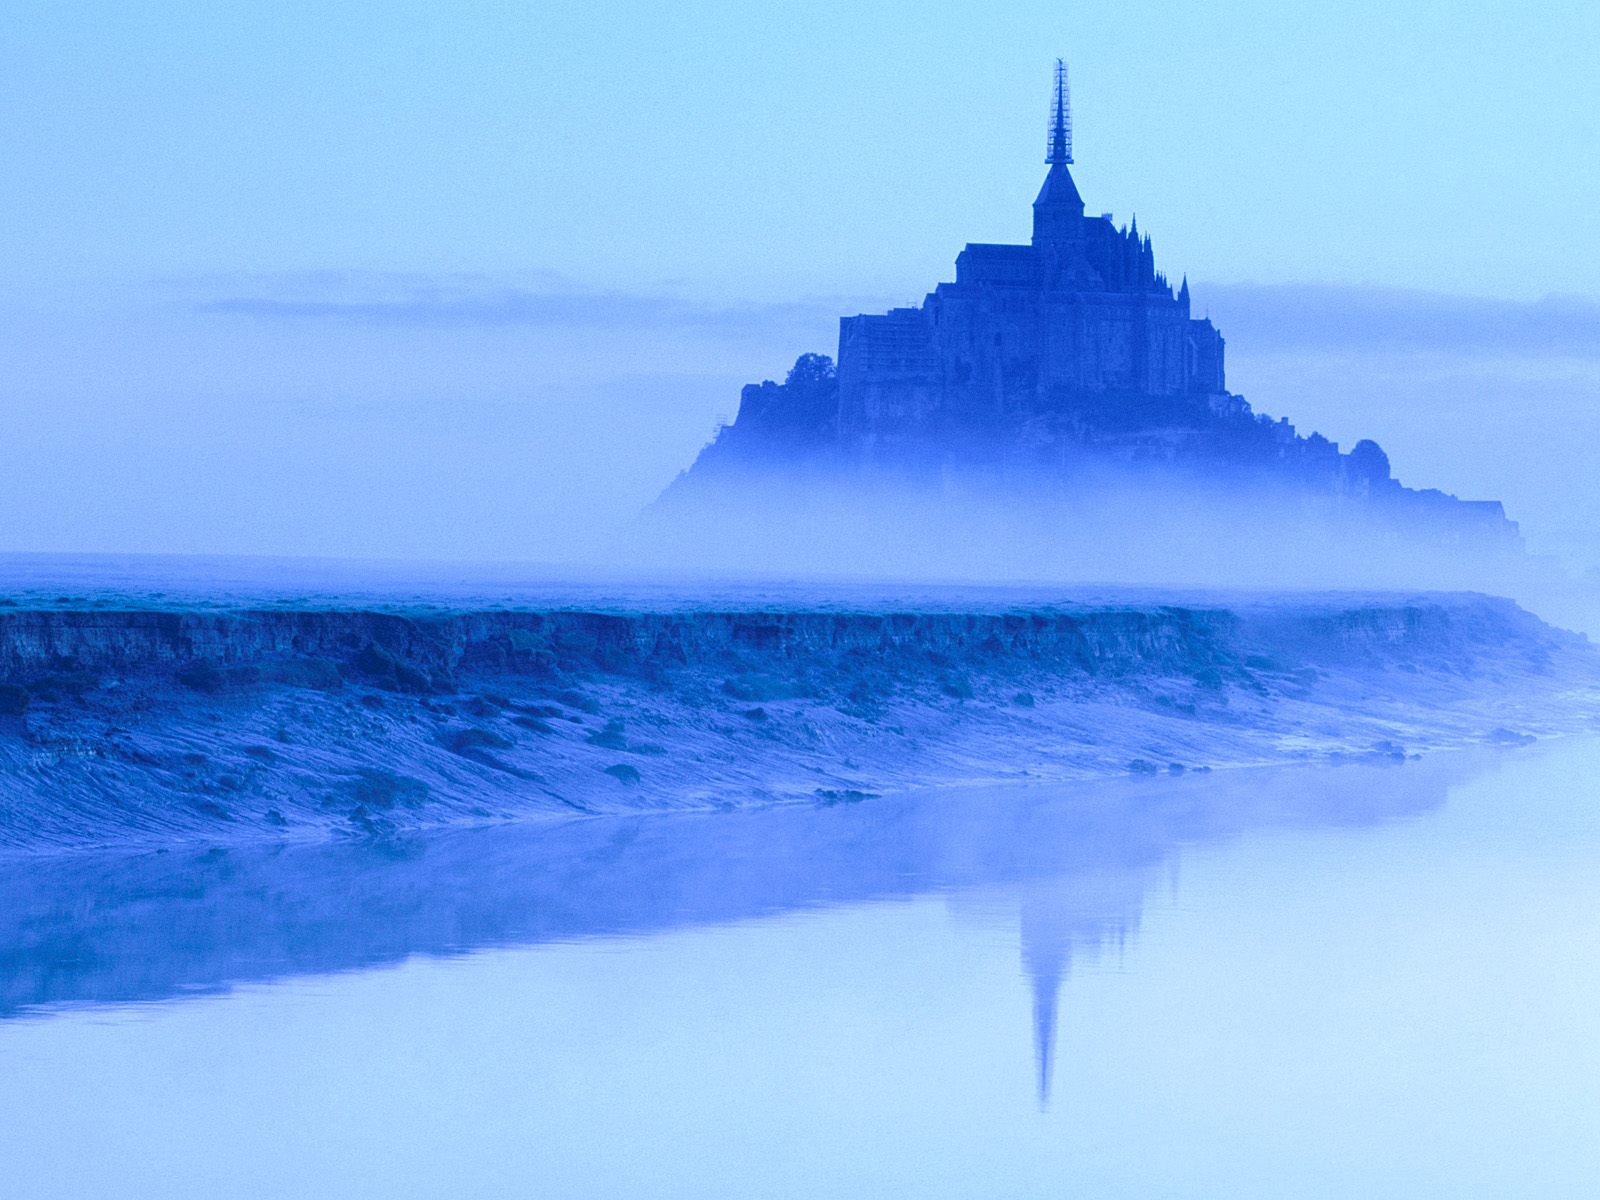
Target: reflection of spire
1046	985
1046	949
1085	914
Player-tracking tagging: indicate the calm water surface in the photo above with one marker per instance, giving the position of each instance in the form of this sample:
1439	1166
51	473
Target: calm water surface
1363	981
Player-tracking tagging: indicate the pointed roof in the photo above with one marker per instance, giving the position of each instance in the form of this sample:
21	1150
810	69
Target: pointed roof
1059	189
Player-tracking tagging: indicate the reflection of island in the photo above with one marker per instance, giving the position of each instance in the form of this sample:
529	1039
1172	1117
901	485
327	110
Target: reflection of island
94	929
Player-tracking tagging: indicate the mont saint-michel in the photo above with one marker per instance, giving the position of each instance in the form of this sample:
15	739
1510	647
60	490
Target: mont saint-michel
1065	366
1055	418
1000	763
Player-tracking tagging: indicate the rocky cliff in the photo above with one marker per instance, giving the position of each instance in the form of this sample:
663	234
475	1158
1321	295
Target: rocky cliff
1175	451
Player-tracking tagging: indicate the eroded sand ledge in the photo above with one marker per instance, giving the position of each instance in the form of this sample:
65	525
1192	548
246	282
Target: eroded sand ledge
142	724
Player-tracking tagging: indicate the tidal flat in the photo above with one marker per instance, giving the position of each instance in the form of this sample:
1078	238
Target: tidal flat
159	717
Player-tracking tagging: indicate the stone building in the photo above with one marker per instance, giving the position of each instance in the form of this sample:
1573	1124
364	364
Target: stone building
1068	365
1068	328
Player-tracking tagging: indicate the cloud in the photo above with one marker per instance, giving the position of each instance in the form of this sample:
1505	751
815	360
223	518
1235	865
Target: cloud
1352	319
1257	318
537	300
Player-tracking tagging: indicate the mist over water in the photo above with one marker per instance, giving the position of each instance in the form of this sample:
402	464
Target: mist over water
1112	530
523	440
1150	530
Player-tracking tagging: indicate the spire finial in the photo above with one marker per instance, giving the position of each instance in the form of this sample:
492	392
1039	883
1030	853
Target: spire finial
1060	119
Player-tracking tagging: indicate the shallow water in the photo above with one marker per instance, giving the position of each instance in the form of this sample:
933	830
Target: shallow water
1354	981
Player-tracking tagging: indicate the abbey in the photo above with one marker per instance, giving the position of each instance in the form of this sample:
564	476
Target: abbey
1063	328
1058	366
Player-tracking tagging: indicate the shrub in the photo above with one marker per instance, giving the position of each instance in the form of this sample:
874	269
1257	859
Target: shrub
611	737
375	787
465	741
201	676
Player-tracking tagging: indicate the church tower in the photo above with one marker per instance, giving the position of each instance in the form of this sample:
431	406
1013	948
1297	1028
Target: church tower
1058	212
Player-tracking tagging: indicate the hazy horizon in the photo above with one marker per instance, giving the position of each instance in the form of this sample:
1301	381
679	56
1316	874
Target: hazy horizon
399	283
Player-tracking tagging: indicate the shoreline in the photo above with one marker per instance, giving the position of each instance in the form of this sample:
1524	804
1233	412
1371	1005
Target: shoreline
181	726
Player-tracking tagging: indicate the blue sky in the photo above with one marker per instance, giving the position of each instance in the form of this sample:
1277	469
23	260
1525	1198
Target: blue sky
417	279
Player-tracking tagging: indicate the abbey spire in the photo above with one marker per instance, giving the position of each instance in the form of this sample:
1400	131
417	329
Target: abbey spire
1058	212
1060	120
